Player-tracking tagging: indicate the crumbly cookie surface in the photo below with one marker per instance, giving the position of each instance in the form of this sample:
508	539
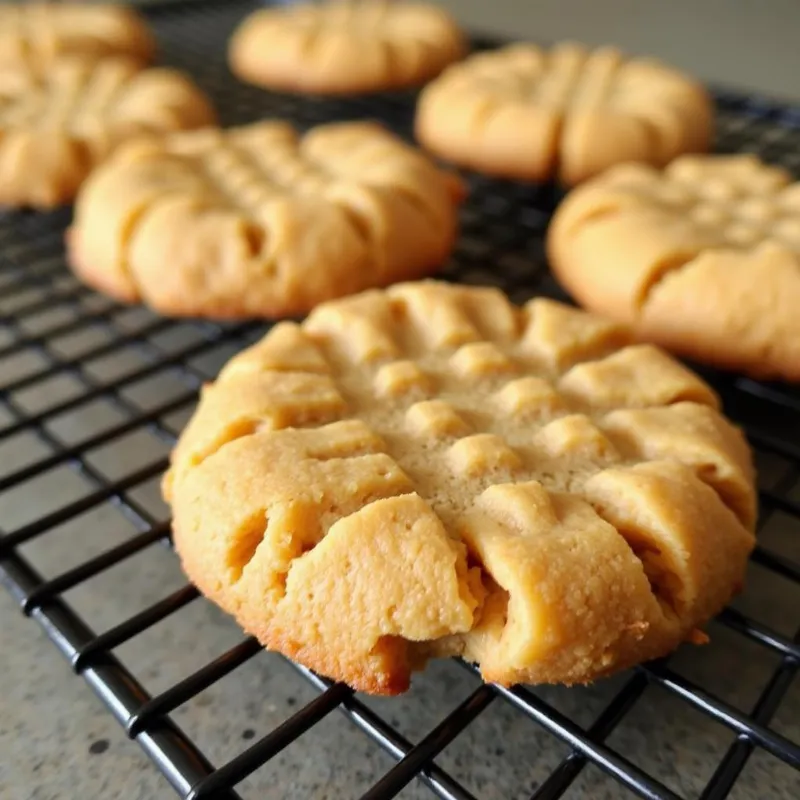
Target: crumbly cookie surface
57	122
702	257
564	113
429	470
34	34
262	221
310	47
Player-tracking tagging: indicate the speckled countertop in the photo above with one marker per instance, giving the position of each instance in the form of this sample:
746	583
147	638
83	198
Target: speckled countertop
57	741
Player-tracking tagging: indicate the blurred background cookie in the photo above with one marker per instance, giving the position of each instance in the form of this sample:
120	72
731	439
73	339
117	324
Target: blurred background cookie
566	113
702	257
58	121
261	221
343	47
32	34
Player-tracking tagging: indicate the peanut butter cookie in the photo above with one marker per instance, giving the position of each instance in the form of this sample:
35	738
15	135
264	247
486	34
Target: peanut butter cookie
345	47
261	221
58	122
429	471
567	113
34	34
702	257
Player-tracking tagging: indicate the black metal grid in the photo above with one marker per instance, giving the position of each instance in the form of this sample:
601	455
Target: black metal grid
54	337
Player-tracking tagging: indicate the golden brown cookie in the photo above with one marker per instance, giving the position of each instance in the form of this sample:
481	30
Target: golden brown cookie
261	221
702	257
566	113
58	122
345	47
35	34
429	470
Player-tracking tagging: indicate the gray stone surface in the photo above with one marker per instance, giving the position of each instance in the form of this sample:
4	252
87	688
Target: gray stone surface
58	742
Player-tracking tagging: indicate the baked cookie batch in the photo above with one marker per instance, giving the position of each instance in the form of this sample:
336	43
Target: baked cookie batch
427	470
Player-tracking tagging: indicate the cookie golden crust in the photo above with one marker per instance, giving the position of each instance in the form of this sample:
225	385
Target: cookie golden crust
310	47
261	221
429	470
58	122
702	257
35	34
566	113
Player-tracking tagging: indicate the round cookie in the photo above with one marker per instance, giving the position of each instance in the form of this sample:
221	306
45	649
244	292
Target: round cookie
261	221
702	257
58	122
35	34
566	113
429	471
343	47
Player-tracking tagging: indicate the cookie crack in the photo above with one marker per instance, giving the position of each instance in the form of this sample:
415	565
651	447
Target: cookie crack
598	214
485	108
360	224
665	584
309	41
392	63
662	269
728	492
557	157
593	83
243	549
82	100
127	235
259	173
26	29
222	182
104	91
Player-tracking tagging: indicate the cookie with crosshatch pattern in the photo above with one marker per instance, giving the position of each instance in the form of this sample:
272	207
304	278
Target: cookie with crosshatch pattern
702	257
345	47
34	34
430	470
564	113
59	121
261	220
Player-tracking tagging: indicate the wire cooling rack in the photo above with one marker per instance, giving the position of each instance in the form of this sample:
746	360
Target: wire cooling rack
91	397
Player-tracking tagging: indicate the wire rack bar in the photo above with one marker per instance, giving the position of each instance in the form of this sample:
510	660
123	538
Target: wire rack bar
170	749
47	590
114	637
724	712
760	633
443	734
271	744
71	510
108	435
609	761
191	686
71	364
86	320
102	391
729	769
565	773
391	741
777	563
